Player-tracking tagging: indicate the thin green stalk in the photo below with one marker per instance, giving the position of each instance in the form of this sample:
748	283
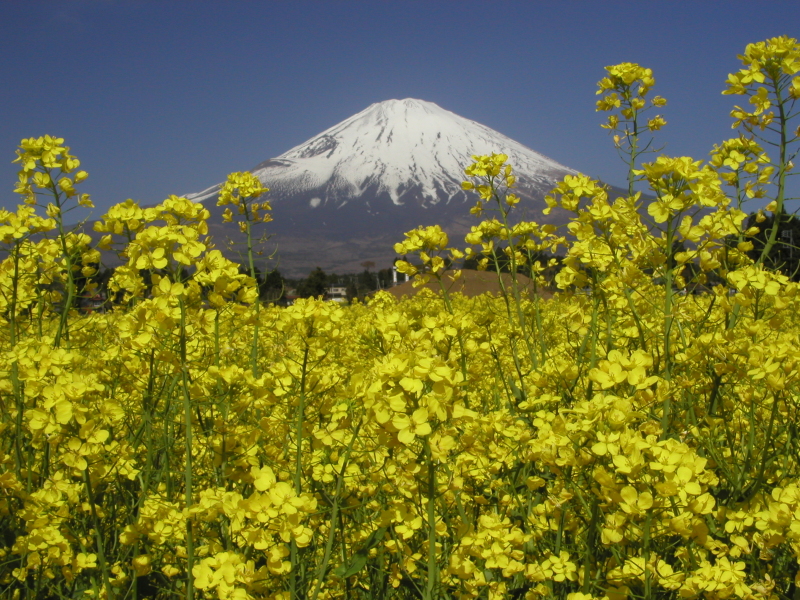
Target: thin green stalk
505	295
223	467
538	320
449	306
323	567
648	575
755	485
782	165
433	570
515	290
63	323
633	140
668	319
187	422
101	555
591	545
15	382
145	477
299	422
298	470
560	534
629	298
252	265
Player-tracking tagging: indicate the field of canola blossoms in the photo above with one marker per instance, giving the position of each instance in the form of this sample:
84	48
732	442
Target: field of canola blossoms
629	442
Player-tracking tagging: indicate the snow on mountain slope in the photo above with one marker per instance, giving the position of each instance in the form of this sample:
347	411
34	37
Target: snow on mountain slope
408	150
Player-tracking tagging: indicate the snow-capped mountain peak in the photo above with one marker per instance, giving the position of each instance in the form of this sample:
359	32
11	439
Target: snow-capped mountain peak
402	150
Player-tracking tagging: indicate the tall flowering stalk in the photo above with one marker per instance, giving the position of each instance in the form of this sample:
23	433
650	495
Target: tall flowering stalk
771	83
243	190
45	168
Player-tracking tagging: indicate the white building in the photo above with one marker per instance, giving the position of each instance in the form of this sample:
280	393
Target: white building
337	294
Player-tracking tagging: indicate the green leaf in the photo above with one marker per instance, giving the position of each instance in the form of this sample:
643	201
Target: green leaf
359	559
518	393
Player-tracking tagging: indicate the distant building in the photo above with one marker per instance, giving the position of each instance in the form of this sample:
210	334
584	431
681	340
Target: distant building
92	304
337	294
395	278
290	296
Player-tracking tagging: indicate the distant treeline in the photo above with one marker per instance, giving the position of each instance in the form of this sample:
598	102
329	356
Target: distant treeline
274	287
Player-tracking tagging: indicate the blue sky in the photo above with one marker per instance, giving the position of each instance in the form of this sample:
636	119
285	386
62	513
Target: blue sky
168	97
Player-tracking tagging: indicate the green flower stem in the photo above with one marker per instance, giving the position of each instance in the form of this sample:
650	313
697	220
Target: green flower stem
433	566
63	323
251	263
16	385
323	567
782	167
298	471
101	555
515	289
668	320
187	423
448	304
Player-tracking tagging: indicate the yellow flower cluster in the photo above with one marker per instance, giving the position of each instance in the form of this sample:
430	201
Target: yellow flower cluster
54	158
773	66
428	243
240	190
625	89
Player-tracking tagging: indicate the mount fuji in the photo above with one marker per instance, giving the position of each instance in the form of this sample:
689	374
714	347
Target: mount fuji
347	195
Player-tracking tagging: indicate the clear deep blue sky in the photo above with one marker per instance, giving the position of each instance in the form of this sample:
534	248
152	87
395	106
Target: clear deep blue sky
169	97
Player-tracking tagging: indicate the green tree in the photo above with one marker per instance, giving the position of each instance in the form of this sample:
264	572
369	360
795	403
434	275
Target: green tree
316	284
366	281
784	255
385	277
352	291
273	287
